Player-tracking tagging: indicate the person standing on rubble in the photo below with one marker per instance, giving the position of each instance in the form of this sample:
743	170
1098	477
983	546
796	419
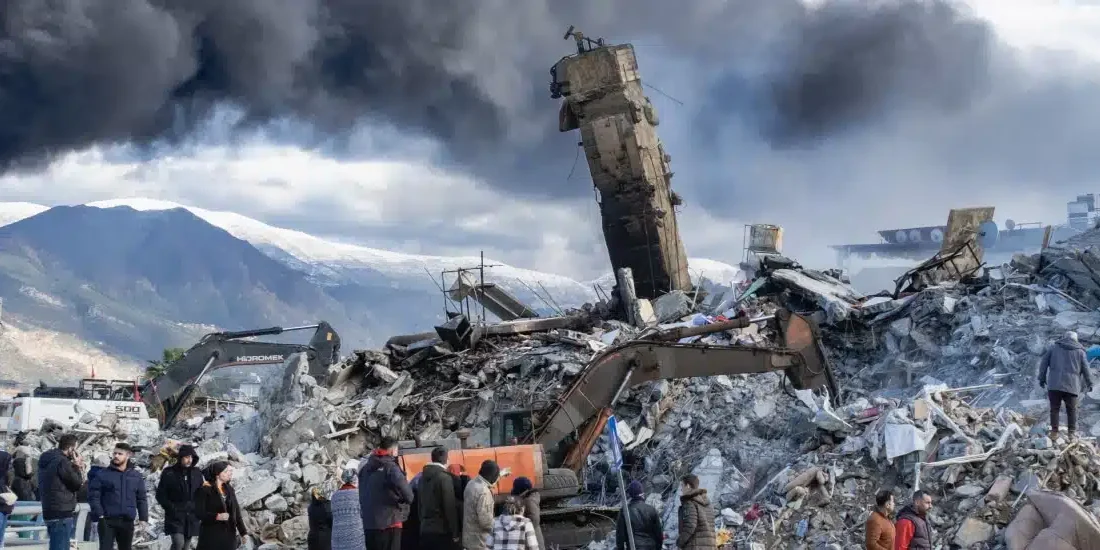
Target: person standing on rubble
438	508
880	529
221	524
176	495
384	497
477	507
347	522
696	517
117	497
912	531
645	523
1062	369
523	489
59	479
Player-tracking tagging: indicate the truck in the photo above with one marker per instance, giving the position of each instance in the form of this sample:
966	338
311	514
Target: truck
169	393
550	446
65	405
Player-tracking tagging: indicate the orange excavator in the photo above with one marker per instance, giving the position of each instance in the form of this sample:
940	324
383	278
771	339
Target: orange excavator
550	446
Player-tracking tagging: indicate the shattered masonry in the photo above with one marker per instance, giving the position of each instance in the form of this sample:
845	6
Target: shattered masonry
943	377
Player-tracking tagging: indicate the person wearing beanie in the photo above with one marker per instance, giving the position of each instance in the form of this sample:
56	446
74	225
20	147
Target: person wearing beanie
477	507
221	524
524	490
176	495
320	521
384	497
645	522
347	523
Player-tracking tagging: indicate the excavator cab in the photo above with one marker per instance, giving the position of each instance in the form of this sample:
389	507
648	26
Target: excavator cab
509	427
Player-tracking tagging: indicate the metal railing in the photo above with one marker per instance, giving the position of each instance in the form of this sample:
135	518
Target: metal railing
24	533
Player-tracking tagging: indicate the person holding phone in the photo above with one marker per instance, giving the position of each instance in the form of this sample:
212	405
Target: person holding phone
221	524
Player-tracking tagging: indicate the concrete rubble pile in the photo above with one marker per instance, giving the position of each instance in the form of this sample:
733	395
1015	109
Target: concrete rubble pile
980	463
778	464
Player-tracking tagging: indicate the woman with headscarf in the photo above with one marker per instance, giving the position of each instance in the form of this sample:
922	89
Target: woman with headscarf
524	490
347	524
320	521
220	519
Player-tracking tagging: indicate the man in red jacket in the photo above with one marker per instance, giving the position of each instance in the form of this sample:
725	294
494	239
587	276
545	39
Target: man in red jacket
913	530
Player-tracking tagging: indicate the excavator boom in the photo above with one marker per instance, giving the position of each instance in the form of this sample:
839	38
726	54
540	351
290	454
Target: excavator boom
800	357
167	394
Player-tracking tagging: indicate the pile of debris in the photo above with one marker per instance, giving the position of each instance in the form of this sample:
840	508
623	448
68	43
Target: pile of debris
777	463
978	473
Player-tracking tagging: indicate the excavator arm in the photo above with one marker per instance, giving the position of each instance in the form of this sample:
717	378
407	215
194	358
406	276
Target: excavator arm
593	394
167	394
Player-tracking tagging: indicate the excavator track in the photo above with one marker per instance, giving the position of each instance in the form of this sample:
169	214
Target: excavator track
569	527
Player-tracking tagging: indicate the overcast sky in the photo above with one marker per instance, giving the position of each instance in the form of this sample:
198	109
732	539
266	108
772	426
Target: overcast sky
1008	120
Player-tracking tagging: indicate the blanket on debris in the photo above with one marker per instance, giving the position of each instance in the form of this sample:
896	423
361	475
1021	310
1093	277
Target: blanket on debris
1052	521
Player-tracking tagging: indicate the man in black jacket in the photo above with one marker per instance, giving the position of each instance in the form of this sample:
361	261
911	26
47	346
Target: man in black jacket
645	523
59	479
176	495
440	524
384	497
117	497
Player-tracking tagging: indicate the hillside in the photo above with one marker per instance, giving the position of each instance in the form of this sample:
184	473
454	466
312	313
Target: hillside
128	279
132	276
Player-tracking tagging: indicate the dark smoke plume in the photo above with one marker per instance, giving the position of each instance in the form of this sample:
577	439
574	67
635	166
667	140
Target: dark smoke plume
471	73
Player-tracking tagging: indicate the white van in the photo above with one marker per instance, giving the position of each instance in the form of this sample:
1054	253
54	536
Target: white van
66	405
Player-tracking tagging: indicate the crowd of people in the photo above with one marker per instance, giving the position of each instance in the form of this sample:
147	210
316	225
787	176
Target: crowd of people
375	508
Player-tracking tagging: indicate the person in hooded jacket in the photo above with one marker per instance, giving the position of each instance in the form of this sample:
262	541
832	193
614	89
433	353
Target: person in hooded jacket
384	497
221	524
1062	369
320	521
176	495
696	517
347	522
645	523
524	490
512	530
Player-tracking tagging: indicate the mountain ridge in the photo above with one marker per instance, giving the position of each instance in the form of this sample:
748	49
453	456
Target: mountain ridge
133	305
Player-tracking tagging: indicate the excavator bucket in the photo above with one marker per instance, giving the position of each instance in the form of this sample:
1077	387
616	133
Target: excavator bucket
800	334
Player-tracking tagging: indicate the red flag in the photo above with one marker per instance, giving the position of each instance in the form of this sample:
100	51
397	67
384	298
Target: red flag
93	371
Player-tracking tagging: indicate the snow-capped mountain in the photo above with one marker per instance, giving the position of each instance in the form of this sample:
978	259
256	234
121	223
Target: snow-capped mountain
335	263
330	262
131	276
